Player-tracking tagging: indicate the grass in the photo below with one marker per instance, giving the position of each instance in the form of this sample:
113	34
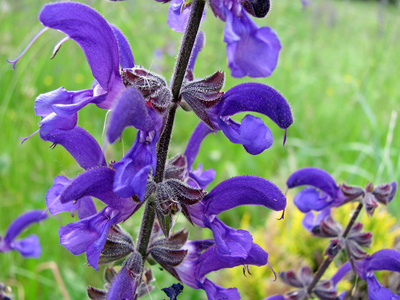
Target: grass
338	69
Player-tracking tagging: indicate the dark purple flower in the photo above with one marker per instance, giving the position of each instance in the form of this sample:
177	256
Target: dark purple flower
203	257
252	133
84	206
29	246
133	169
242	190
105	49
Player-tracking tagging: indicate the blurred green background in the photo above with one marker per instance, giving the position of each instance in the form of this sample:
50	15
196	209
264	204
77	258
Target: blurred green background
338	68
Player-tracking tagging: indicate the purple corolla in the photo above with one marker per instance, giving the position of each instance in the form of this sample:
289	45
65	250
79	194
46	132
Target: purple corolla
385	259
105	48
29	246
237	191
251	51
203	257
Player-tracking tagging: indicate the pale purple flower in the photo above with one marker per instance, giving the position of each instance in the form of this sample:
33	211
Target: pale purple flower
29	246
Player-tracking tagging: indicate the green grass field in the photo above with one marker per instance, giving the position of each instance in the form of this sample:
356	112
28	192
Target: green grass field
339	69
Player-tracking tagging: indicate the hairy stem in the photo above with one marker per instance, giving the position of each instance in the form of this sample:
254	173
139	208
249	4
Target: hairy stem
189	37
197	8
325	264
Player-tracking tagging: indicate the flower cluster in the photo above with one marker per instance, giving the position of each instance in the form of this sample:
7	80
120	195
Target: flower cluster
142	99
323	194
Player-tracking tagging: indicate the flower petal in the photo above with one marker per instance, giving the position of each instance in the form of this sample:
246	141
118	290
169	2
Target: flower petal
385	259
123	286
315	177
21	223
84	206
311	199
88	235
91	32
243	190
97	183
80	144
216	292
252	133
133	169
251	51
28	247
124	50
259	98
130	110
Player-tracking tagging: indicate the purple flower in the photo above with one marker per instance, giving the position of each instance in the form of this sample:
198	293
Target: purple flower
203	257
251	51
123	286
242	190
252	133
323	193
87	152
105	49
385	259
90	233
29	246
133	169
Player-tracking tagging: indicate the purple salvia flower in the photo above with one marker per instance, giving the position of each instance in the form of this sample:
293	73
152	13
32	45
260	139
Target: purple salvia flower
84	206
123	286
178	15
29	246
326	195
203	258
251	51
89	234
87	152
105	49
252	133
242	190
133	169
385	259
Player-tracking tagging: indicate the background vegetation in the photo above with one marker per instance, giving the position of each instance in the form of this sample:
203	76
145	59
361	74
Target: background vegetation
338	68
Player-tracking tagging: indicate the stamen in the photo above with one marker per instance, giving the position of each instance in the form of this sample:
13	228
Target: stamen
58	46
272	269
284	138
25	138
14	62
283	215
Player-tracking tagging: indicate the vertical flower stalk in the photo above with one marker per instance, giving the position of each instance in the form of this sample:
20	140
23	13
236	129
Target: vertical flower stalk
162	150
